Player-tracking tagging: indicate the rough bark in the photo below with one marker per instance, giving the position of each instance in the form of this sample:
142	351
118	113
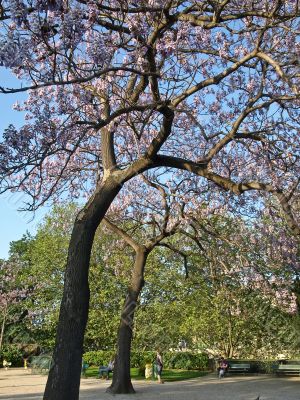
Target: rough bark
296	290
4	315
64	375
121	383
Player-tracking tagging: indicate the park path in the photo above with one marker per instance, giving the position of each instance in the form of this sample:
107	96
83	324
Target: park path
19	384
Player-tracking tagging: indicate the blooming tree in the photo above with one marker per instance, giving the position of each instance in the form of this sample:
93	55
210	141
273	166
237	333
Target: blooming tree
253	269
119	87
13	292
282	250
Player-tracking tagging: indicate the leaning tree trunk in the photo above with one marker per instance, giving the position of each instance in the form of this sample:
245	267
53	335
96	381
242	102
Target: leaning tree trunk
121	383
64	375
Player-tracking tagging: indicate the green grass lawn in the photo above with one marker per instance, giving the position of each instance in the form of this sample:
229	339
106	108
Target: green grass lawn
168	375
171	375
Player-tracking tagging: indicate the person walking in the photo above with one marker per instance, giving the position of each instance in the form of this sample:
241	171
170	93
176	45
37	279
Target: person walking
159	366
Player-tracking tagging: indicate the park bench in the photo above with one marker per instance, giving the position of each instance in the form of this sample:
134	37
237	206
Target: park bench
40	364
288	369
84	367
239	368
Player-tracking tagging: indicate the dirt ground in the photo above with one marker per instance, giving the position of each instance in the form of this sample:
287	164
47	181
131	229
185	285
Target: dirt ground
20	384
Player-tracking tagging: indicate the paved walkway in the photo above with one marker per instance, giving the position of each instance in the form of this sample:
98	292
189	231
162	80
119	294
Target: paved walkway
19	384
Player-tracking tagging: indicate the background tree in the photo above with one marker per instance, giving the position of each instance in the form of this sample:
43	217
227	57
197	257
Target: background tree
48	254
231	302
248	281
15	294
108	272
150	223
232	296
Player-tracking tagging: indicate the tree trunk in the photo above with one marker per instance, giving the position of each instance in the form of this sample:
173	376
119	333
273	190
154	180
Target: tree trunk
296	291
3	327
230	340
121	383
64	375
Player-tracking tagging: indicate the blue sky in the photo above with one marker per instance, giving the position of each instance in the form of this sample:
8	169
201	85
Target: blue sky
13	222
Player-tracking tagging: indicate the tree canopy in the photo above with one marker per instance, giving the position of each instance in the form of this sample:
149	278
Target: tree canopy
233	296
207	88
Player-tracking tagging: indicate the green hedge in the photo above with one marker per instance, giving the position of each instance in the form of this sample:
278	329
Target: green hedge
266	366
102	357
138	359
185	360
172	360
97	358
13	354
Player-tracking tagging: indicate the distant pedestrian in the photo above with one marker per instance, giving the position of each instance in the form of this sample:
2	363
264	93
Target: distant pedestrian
159	366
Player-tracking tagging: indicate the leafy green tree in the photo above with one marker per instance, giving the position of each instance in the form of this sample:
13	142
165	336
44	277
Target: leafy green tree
109	276
217	292
15	293
225	303
48	255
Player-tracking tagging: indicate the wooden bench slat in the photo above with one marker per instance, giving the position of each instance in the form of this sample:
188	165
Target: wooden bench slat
287	367
239	367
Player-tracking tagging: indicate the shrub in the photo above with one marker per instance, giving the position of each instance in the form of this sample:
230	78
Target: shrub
140	358
266	366
185	360
136	359
173	360
13	354
99	357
